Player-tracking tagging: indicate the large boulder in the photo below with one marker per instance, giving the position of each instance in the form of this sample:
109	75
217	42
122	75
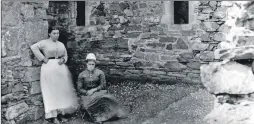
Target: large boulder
232	114
246	52
227	77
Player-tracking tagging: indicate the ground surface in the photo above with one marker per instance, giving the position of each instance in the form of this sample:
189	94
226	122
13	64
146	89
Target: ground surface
158	104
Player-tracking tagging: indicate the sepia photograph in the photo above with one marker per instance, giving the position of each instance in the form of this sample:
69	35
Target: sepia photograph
127	62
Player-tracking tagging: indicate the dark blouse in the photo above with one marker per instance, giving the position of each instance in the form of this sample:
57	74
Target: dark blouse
88	80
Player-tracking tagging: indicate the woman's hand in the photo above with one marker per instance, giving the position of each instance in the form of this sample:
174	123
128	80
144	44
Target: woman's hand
83	91
90	92
61	61
45	60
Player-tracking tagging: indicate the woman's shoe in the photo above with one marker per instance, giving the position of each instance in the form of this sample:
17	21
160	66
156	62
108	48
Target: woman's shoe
56	121
64	119
45	121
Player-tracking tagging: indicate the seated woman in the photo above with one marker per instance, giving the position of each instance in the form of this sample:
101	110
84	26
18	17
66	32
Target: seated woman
96	102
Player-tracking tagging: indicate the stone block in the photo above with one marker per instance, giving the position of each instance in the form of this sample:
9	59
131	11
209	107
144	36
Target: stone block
219	37
207	56
142	5
194	65
11	42
37	112
36	98
212	47
199	46
101	20
132	76
7	98
11	18
207	10
250	24
209	26
227	3
167	39
32	74
32	33
18	87
40	14
167	58
188	33
230	113
145	36
224	28
230	77
205	37
116	72
5	89
158	72
115	7
152	19
213	4
180	44
146	28
185	57
35	87
156	45
134	71
132	34
193	75
27	11
128	12
14	111
220	13
202	16
136	20
177	74
133	28
124	64
169	47
175	66
151	57
250	11
246	52
122	43
124	5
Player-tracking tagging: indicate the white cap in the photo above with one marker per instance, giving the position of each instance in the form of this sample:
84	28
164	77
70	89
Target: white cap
90	56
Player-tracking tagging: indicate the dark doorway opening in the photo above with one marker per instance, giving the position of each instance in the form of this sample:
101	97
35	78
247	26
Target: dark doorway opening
81	15
181	12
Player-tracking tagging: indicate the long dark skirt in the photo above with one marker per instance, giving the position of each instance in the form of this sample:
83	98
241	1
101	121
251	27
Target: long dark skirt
102	106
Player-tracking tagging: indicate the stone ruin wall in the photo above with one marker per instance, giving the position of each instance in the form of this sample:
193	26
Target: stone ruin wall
132	40
23	24
130	43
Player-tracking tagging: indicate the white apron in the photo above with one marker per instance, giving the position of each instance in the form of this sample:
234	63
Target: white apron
59	95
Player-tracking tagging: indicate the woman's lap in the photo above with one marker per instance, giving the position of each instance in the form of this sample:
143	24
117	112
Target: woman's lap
101	105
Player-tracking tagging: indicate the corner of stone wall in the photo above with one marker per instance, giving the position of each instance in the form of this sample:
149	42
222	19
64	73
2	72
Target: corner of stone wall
23	24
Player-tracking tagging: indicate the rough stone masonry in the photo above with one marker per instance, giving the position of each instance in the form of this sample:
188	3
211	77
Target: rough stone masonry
130	38
231	80
133	41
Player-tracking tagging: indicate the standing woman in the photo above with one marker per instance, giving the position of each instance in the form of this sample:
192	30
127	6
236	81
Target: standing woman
57	88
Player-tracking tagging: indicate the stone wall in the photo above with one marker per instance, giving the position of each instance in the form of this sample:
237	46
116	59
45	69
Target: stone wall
58	14
132	41
230	81
23	23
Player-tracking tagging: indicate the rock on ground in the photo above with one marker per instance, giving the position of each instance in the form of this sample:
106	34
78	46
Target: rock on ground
232	114
231	78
